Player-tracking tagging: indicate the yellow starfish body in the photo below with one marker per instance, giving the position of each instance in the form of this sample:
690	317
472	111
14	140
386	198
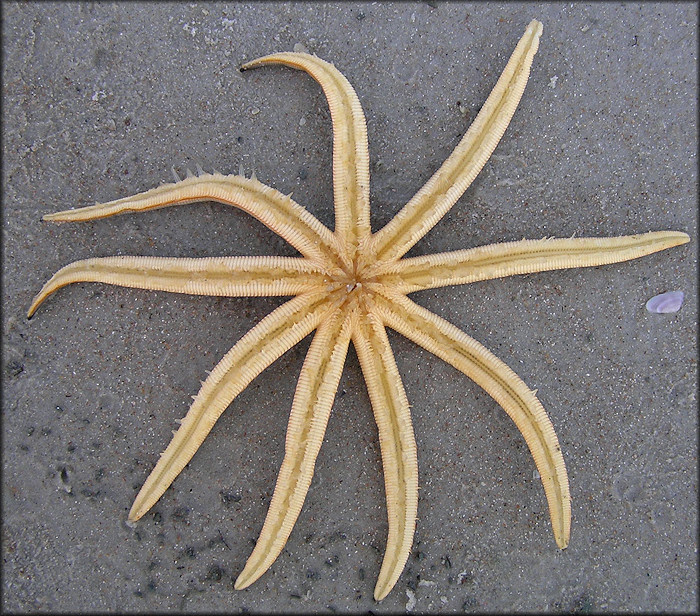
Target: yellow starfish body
349	285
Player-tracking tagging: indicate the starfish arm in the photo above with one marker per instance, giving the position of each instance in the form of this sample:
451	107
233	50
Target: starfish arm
398	446
311	408
276	211
470	357
262	345
218	276
455	175
350	151
523	257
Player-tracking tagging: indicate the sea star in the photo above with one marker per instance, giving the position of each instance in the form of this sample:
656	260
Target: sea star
350	285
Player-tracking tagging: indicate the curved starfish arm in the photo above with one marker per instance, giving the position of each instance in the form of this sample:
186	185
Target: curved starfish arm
218	276
470	357
455	175
523	257
276	211
393	417
272	337
311	408
350	151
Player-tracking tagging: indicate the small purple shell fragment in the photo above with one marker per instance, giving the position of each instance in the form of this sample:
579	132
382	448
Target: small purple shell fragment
666	302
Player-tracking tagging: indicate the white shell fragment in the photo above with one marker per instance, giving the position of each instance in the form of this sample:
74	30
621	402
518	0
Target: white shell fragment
666	302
